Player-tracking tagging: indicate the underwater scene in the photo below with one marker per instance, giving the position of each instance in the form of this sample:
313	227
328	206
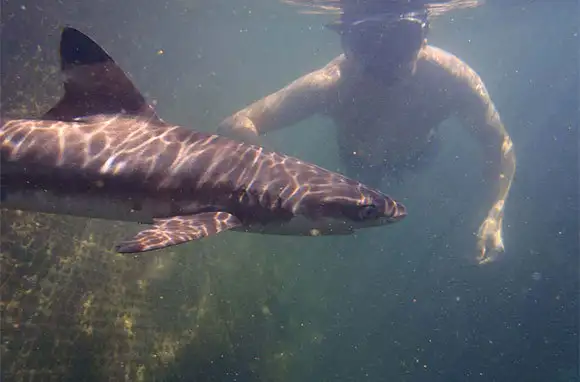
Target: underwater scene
289	190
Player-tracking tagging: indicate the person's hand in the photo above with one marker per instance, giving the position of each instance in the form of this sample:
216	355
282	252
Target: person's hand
490	235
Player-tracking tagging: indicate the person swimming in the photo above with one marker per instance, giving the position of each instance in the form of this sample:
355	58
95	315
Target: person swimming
387	94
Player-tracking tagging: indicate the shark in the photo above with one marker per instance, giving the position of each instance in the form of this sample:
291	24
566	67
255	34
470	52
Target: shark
103	152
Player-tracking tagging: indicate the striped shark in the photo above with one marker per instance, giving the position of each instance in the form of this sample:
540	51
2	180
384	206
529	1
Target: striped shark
102	152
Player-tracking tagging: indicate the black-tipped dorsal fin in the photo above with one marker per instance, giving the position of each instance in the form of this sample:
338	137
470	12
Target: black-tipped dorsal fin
93	83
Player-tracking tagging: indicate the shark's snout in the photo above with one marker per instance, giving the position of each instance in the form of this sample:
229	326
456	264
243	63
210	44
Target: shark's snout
395	211
400	211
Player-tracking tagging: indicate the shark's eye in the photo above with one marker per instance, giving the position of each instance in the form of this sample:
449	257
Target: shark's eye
370	211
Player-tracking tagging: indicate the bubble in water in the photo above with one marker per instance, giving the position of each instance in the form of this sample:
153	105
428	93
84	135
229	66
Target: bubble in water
536	276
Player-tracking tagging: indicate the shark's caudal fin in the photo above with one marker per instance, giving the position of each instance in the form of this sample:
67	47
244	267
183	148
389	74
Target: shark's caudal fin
178	230
94	83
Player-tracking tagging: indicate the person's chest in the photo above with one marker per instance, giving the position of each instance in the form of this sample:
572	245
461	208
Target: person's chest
379	123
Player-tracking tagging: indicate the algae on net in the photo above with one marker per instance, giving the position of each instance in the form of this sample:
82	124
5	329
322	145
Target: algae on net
69	301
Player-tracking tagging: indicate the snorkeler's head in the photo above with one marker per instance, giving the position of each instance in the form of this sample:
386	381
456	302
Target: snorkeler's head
383	44
383	37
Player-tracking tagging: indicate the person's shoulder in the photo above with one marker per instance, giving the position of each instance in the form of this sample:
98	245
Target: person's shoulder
447	61
457	71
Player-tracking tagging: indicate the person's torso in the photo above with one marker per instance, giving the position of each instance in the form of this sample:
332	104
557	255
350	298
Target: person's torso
378	124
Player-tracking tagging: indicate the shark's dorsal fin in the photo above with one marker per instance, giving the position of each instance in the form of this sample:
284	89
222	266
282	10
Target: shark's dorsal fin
93	83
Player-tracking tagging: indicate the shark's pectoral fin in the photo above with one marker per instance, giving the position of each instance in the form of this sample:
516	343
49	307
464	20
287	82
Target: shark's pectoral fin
178	230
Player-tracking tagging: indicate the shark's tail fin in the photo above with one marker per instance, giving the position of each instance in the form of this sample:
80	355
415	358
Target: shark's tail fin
94	83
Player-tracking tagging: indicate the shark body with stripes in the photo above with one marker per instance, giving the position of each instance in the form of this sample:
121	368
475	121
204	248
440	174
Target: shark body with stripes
102	152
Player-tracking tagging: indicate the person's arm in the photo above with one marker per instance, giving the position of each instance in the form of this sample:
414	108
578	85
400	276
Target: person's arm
300	99
481	118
